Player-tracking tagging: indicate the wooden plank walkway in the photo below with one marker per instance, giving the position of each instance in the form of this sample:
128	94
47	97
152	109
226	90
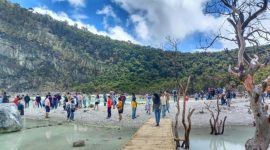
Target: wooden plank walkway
149	137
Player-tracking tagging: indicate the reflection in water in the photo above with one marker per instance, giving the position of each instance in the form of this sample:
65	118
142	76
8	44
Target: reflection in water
48	133
234	138
69	139
17	141
217	144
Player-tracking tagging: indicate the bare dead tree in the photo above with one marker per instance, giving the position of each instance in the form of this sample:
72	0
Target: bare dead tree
246	19
173	43
181	90
217	126
187	126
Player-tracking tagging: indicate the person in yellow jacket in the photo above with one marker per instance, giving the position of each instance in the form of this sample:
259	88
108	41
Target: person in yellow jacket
119	106
133	106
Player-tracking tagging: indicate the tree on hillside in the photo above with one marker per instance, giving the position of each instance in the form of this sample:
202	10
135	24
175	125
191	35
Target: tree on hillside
246	18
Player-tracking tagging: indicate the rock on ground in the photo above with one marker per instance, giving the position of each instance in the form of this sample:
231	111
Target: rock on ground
78	143
10	119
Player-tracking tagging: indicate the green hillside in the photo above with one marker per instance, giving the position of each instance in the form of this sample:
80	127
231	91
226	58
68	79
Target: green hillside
39	53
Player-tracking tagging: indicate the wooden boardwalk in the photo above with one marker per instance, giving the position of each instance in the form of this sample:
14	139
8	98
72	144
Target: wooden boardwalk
149	137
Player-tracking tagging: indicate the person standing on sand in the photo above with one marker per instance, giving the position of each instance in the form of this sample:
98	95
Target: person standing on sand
5	98
84	100
97	102
26	101
50	98
163	103
65	102
133	106
54	102
228	97
104	99
80	99
75	98
114	100
16	100
38	101
47	106
109	107
174	95
70	108
20	108
123	99
120	108
268	92
157	107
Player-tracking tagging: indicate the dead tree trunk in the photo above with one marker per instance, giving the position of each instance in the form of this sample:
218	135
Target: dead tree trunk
176	126
261	139
174	43
187	127
216	125
246	19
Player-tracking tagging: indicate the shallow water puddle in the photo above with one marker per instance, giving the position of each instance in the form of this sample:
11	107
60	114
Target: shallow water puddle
45	135
234	138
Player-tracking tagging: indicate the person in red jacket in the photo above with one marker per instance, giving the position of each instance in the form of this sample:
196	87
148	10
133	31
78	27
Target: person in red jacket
109	107
16	100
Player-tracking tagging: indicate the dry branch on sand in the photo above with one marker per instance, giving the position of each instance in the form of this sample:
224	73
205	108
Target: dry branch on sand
217	126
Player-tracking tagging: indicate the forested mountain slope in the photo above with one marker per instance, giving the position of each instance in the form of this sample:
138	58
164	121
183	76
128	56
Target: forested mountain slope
39	53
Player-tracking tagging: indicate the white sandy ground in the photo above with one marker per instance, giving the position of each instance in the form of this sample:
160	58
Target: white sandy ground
237	114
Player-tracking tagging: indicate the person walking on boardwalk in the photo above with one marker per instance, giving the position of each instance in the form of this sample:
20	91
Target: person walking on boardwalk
148	104
167	97
109	106
163	103
133	106
156	107
120	108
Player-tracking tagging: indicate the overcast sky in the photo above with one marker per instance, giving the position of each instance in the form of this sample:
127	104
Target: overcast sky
145	22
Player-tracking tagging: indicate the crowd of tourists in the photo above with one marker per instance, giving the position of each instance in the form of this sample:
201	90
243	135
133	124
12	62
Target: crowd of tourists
224	95
159	103
71	102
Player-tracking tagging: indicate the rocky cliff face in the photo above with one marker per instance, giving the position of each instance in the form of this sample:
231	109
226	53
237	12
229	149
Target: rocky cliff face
34	58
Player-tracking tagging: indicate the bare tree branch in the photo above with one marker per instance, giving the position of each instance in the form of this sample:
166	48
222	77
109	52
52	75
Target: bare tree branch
256	14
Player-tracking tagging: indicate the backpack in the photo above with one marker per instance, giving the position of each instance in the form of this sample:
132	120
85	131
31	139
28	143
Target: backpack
68	106
119	105
72	107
